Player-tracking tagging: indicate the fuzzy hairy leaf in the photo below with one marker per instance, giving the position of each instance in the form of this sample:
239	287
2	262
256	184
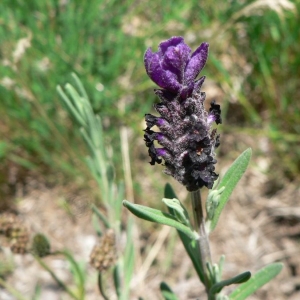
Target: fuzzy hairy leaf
229	181
179	211
216	288
188	243
157	216
259	279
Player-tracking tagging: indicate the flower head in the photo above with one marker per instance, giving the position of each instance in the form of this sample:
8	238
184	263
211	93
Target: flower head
186	138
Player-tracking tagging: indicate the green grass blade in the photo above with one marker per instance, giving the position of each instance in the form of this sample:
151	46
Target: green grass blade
262	277
229	181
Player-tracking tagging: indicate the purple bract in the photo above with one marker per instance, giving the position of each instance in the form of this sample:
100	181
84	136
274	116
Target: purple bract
174	68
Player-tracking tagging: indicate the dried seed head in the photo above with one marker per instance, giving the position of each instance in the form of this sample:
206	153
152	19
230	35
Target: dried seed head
17	233
103	255
7	220
19	239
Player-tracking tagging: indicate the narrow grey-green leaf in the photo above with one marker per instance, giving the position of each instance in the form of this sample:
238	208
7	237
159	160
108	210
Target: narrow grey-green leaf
169	192
259	279
110	173
117	280
129	260
179	211
78	102
229	181
157	216
80	86
70	106
100	215
78	271
190	246
217	287
167	292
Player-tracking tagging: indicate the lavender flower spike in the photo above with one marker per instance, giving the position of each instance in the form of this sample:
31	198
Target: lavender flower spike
187	139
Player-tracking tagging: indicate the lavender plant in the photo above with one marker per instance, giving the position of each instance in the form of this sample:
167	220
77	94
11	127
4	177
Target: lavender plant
185	144
111	259
106	254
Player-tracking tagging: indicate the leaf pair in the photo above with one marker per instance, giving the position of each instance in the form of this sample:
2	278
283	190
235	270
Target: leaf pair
247	288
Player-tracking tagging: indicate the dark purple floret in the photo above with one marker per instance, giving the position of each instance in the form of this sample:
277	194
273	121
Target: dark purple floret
186	135
215	111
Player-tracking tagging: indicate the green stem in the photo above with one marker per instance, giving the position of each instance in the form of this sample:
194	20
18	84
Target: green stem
100	285
59	282
100	216
203	242
11	290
